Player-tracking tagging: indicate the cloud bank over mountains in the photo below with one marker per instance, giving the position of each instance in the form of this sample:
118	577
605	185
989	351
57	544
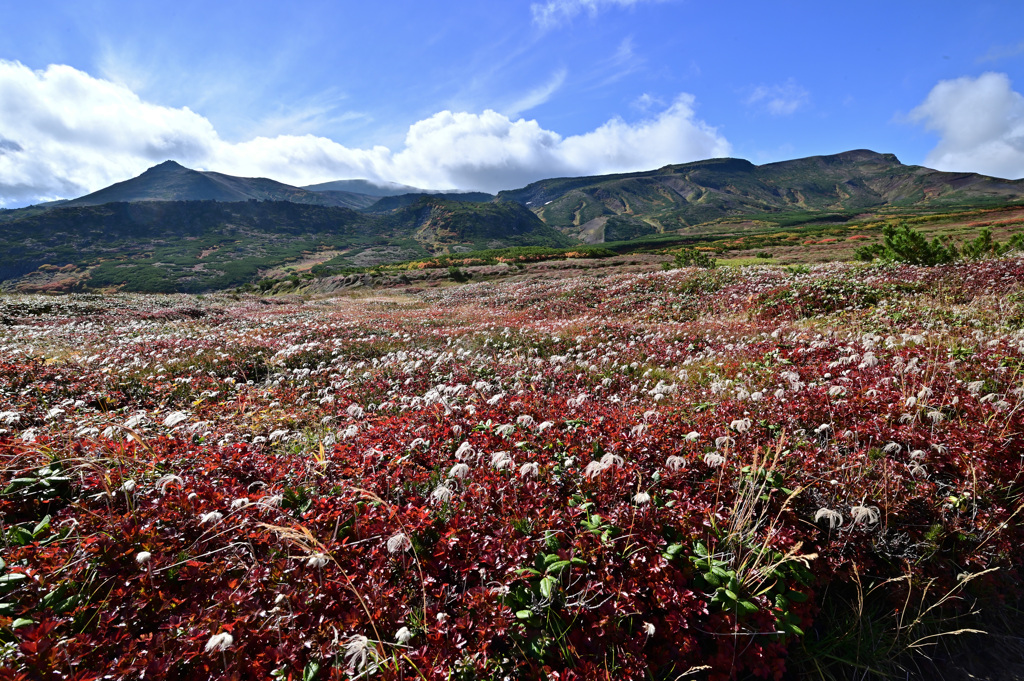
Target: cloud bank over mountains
64	133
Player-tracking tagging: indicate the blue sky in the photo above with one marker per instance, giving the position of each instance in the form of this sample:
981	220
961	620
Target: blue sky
487	96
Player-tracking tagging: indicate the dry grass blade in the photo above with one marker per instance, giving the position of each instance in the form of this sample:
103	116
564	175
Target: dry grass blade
302	538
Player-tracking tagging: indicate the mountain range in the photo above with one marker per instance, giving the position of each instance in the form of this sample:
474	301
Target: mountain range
173	228
612	207
171	181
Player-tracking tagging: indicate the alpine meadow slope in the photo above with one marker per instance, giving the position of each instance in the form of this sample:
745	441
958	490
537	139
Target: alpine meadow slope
196	246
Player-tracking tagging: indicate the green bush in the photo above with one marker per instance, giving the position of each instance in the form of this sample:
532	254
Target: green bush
983	246
691	257
457	274
903	244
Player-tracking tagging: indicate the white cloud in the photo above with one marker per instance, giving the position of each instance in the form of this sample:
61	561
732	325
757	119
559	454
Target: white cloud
624	62
539	95
980	123
779	100
76	132
489	151
552	13
1000	52
646	102
64	133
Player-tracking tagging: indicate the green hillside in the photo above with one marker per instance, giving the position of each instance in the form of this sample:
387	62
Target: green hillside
389	203
683	196
207	245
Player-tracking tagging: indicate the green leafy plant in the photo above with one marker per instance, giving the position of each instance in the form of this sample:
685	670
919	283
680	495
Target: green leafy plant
691	257
904	244
42	484
984	246
456	274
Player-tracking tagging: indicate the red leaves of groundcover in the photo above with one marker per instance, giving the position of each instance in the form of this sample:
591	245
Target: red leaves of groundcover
628	478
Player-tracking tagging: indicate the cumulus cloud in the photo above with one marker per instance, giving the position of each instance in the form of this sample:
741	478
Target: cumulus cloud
779	100
552	13
980	123
64	133
490	151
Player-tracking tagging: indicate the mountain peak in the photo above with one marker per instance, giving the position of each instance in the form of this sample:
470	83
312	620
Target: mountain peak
171	181
865	156
168	165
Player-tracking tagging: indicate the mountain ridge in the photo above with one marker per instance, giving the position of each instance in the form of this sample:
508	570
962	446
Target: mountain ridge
171	181
672	197
365	187
682	196
233	228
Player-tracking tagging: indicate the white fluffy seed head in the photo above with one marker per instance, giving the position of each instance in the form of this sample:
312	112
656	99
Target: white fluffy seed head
166	481
740	425
675	463
317	560
501	460
529	470
612	460
714	459
399	543
174	418
867	515
220	642
459	470
441	494
834	518
271	500
213	517
593	469
357	652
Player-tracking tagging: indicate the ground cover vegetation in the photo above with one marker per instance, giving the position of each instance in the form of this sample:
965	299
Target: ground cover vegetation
737	472
956	235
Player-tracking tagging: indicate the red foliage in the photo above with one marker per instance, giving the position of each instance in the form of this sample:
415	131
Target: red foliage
519	477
